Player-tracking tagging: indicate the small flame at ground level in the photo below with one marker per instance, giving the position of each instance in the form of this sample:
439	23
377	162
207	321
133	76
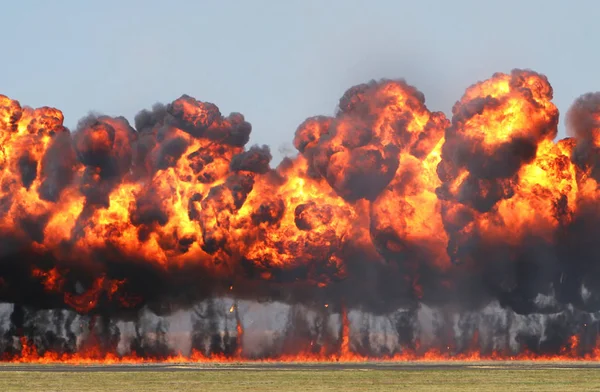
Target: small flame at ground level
28	353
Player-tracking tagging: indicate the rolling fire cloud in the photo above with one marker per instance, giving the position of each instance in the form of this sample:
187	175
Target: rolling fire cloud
471	236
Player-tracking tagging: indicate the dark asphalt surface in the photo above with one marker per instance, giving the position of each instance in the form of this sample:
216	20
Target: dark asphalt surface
403	366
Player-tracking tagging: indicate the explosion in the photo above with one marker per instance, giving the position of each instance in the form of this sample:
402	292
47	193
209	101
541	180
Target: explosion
395	233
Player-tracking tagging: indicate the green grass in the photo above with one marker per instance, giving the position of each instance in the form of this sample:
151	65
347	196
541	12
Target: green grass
262	379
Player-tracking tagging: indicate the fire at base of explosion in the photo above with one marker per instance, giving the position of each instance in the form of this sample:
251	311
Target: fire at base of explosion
388	208
304	339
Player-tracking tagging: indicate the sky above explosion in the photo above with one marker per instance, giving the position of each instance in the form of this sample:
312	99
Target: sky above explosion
281	62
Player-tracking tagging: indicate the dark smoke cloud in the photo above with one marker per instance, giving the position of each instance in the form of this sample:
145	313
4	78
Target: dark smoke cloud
255	160
583	123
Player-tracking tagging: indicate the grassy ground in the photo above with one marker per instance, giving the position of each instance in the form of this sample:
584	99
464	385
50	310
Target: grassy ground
415	379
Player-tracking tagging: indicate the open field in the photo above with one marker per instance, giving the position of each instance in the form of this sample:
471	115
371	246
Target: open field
520	376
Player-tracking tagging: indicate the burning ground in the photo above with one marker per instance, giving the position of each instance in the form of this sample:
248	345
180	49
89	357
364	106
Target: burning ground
396	232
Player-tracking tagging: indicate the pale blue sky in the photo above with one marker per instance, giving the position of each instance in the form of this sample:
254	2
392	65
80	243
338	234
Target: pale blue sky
279	62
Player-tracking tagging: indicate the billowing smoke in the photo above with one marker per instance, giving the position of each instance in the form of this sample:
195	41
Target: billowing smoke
395	232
